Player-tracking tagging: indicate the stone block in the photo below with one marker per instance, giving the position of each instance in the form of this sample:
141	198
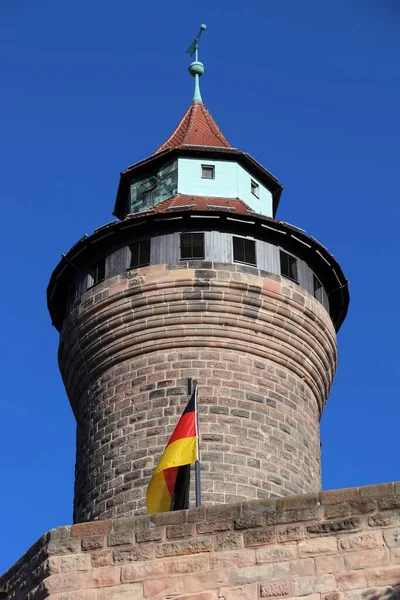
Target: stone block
102	558
133	554
75	562
392	537
292	516
329	564
258	537
366	559
163	587
153	534
120	538
276	553
242	592
214	527
121	592
103	577
383	576
290	533
196	582
186	565
233	558
249	521
381	519
92	528
142	570
334	527
274	589
63	582
318	546
310	585
183	547
64	546
228	541
362	541
183	530
350	580
93	543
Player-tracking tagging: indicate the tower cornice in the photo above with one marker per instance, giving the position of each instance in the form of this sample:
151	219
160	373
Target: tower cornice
232	219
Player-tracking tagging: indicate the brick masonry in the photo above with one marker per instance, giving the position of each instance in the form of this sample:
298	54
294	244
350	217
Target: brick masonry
335	545
262	349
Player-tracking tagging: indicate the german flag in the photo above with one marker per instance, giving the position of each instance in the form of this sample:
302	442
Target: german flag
169	486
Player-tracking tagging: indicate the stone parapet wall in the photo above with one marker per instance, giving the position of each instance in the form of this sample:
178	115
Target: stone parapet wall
262	349
335	545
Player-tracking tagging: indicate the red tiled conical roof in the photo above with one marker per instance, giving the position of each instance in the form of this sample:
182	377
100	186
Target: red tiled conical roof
196	128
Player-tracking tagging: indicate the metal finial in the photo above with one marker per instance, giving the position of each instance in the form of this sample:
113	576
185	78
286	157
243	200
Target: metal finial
196	68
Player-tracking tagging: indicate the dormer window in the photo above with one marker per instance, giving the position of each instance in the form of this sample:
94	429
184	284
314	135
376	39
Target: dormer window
288	266
192	246
244	251
255	189
207	172
140	254
97	273
318	289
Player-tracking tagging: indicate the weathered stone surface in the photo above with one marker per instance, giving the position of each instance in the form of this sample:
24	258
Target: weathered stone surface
163	587
366	559
121	592
331	565
242	592
317	546
392	537
258	537
334	527
310	585
274	589
276	553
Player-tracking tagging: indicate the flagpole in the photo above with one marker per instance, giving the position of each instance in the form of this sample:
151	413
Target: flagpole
197	463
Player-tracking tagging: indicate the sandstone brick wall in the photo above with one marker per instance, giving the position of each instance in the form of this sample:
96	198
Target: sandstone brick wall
262	350
336	545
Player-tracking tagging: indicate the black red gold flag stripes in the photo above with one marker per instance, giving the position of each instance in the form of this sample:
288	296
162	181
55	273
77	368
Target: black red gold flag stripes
169	486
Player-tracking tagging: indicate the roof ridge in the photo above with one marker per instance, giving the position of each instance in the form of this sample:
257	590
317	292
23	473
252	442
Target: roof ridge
214	127
192	114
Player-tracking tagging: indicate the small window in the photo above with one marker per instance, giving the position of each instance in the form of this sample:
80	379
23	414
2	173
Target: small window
207	172
318	289
140	254
192	245
244	251
96	273
288	266
255	189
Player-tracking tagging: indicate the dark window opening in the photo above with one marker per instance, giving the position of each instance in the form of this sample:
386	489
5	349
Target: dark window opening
207	172
255	189
318	289
140	254
244	251
97	273
192	245
288	266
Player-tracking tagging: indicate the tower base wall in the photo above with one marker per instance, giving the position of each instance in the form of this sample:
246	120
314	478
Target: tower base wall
262	349
335	545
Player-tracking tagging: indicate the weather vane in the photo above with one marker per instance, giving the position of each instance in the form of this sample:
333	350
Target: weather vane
196	68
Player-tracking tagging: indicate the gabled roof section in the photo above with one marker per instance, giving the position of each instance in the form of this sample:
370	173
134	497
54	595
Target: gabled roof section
196	128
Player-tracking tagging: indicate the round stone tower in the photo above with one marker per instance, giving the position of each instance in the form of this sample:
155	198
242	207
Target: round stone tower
196	279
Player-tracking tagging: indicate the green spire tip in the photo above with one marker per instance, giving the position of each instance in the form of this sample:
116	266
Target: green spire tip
196	68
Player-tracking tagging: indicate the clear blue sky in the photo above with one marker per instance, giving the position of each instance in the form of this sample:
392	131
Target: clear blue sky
310	89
